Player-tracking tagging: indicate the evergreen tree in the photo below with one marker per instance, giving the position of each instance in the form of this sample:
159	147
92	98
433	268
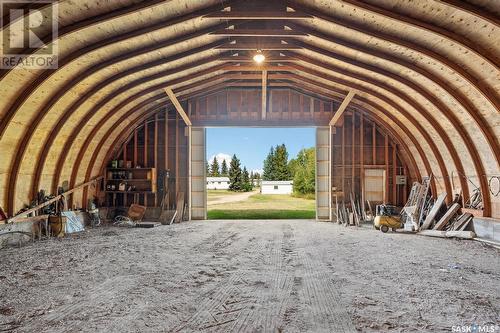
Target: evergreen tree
224	171
252	178
268	173
215	168
235	175
281	170
207	167
247	186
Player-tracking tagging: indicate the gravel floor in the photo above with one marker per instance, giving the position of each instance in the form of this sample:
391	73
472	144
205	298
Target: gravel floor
248	276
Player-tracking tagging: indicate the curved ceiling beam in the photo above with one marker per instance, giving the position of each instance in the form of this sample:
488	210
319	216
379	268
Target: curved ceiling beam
428	165
123	135
414	141
475	157
474	48
438	128
72	109
492	96
115	13
46	74
472	111
122	104
473	10
437	103
85	23
434	148
484	88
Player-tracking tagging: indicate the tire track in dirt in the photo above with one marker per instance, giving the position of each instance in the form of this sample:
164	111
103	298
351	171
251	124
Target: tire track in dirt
223	304
100	297
272	303
326	306
251	318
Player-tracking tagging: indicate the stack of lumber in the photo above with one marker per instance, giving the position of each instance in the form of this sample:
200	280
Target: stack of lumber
451	224
431	216
461	222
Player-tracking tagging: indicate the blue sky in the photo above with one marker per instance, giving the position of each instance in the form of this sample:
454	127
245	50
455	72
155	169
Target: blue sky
252	145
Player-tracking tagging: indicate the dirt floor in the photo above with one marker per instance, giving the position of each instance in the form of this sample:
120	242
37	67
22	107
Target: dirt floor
226	197
248	276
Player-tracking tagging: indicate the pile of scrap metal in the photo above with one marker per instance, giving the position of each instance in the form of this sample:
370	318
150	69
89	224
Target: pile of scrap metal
53	209
432	217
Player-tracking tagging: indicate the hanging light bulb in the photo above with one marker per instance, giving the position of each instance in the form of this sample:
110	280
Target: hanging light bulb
259	57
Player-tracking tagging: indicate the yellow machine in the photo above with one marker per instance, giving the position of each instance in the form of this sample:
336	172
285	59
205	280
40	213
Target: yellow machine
387	216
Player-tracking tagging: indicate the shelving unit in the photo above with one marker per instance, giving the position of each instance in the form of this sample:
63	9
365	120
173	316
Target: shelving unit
124	186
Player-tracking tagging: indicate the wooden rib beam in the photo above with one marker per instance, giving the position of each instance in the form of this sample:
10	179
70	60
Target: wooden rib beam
178	106
342	108
258	33
249	59
257	46
261	15
125	134
258	68
264	94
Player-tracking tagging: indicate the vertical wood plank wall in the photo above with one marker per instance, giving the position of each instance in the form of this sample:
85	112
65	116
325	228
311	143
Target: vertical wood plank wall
359	144
160	142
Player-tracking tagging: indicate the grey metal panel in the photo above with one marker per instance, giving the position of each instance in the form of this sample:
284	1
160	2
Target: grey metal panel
323	197
198	194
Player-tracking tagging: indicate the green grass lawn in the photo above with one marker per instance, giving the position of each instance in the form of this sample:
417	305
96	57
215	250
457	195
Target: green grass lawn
259	206
260	214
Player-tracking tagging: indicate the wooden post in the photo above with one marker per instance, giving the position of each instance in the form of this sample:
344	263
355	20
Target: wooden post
374	144
343	159
362	158
342	108
166	139
394	172
386	196
145	161
178	106
135	148
264	94
176	154
125	152
353	152
311	107
155	152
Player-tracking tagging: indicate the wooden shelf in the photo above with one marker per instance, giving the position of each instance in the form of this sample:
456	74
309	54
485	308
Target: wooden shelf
131	192
142	179
130	180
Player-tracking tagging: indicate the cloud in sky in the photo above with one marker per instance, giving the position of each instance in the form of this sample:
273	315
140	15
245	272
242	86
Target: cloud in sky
260	171
221	157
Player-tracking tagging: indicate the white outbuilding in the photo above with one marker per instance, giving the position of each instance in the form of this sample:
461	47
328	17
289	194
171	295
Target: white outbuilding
217	183
276	187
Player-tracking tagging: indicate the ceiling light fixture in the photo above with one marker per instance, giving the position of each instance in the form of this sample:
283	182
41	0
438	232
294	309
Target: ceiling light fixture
259	57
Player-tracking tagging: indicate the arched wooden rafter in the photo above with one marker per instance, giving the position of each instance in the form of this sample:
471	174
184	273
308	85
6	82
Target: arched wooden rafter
55	99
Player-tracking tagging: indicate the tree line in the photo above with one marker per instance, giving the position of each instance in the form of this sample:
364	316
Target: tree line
240	180
301	169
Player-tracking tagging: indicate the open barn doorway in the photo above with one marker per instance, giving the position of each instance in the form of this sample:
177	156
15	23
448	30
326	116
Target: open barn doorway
260	173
